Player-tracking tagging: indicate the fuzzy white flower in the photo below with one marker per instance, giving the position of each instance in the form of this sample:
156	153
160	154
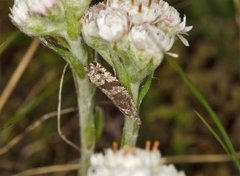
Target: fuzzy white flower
158	13
112	24
140	11
130	162
106	23
150	38
23	10
150	25
19	12
33	16
170	22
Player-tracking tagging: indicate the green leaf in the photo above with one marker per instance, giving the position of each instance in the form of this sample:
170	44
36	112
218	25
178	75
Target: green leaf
99	122
144	88
121	72
208	108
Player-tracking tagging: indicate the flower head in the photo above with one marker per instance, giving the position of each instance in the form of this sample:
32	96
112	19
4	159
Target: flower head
131	161
136	32
119	17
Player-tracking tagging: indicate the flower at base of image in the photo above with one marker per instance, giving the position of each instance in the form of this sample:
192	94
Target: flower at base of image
131	161
136	33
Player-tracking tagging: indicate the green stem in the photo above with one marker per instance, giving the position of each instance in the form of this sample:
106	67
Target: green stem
85	93
131	128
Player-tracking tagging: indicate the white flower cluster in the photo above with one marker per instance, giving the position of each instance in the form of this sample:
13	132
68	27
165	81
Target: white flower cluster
149	25
131	162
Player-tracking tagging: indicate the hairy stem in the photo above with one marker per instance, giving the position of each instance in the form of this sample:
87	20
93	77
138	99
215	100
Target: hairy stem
85	93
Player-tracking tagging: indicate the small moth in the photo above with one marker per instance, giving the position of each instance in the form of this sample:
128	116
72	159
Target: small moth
112	88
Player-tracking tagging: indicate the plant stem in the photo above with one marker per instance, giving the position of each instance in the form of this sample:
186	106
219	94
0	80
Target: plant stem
131	128
85	93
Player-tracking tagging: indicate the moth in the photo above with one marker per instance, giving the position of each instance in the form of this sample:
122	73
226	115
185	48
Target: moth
113	89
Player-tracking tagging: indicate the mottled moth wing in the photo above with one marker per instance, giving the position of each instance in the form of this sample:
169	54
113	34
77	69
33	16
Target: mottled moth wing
111	87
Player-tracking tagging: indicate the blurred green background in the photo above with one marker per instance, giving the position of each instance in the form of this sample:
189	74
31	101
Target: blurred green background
212	62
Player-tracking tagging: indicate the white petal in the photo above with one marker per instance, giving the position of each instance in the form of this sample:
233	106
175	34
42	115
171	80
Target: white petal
172	54
187	28
184	41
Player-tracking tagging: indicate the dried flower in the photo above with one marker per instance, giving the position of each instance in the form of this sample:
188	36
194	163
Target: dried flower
131	162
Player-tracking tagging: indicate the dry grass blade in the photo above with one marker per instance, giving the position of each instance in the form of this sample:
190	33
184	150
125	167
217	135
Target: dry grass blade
49	169
18	73
211	158
33	126
59	114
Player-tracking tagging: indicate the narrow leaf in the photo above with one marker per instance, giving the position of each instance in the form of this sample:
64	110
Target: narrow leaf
212	131
145	88
208	108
